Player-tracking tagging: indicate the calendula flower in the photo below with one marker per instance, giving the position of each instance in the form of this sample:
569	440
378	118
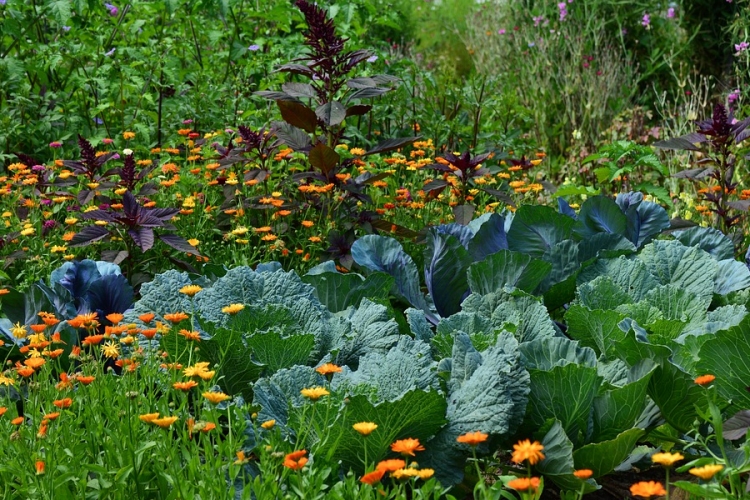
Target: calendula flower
93	340
85	379
524	483
164	422
425	474
3	409
647	489
666	459
295	460
196	369
583	473
190	335
111	350
328	368
34	363
241	458
365	428
407	446
373	477
704	380
472	438
19	331
526	450
114	318
176	317
39	467
403	474
232	308
63	403
146	318
185	386
268	424
17	421
391	465
314	393
216	397
190	290
707	471
148	417
6	381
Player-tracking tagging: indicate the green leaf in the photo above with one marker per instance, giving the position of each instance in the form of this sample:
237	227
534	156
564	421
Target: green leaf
688	268
446	262
558	462
507	268
276	351
731	276
602	293
536	229
337	291
545	354
726	356
632	276
707	239
600	214
602	458
676	395
323	158
702	490
61	11
598	329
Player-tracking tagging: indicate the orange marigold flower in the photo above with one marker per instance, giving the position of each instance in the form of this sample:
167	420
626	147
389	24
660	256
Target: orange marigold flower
85	379
25	371
17	421
704	380
524	483
34	363
93	340
149	333
472	438
526	450
164	422
146	318
42	432
38	328
176	317
407	446
148	417
373	477
114	318
295	460
63	403
39	467
391	464
52	416
647	489
191	335
185	386
3	409
583	473
328	368
216	397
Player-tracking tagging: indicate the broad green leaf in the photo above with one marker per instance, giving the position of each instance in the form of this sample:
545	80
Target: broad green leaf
446	262
545	354
645	219
679	303
603	457
702	490
558	462
337	291
600	214
731	276
598	329
515	311
707	239
601	293
726	356
507	268
632	276
276	351
688	268
677	395
536	229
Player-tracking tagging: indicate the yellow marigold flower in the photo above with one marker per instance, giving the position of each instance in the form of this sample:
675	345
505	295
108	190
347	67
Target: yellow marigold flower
268	424
164	422
193	371
307	223
111	350
19	331
128	135
425	474
524	483
194	242
232	308
216	397
707	471
666	459
407	446
704	380
647	489
328	368
472	438
185	386
206	375
28	232
314	393
526	450
190	290
365	428
404	473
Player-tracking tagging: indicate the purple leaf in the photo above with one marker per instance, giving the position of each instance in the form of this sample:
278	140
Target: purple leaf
88	235
143	237
178	243
391	144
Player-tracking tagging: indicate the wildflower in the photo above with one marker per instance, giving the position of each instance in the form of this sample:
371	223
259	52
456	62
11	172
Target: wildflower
241	458
146	318
63	403
17	421
39	467
148	417
295	460
25	371
111	350
647	489
253	48
190	335
34	363
391	465
365	428
232	308
268	424
19	331
707	471
176	317
85	379
646	20
128	135
670	13
583	473
190	290
407	446
42	432
216	397
52	416
404	473
164	422
666	459
425	474
3	409
6	381
196	369
704	380
185	386
64	383
93	340
472	438
114	318
314	393
373	477
526	450
328	368
524	483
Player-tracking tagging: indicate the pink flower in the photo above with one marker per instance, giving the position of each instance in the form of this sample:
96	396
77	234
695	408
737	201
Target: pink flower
670	13
646	21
